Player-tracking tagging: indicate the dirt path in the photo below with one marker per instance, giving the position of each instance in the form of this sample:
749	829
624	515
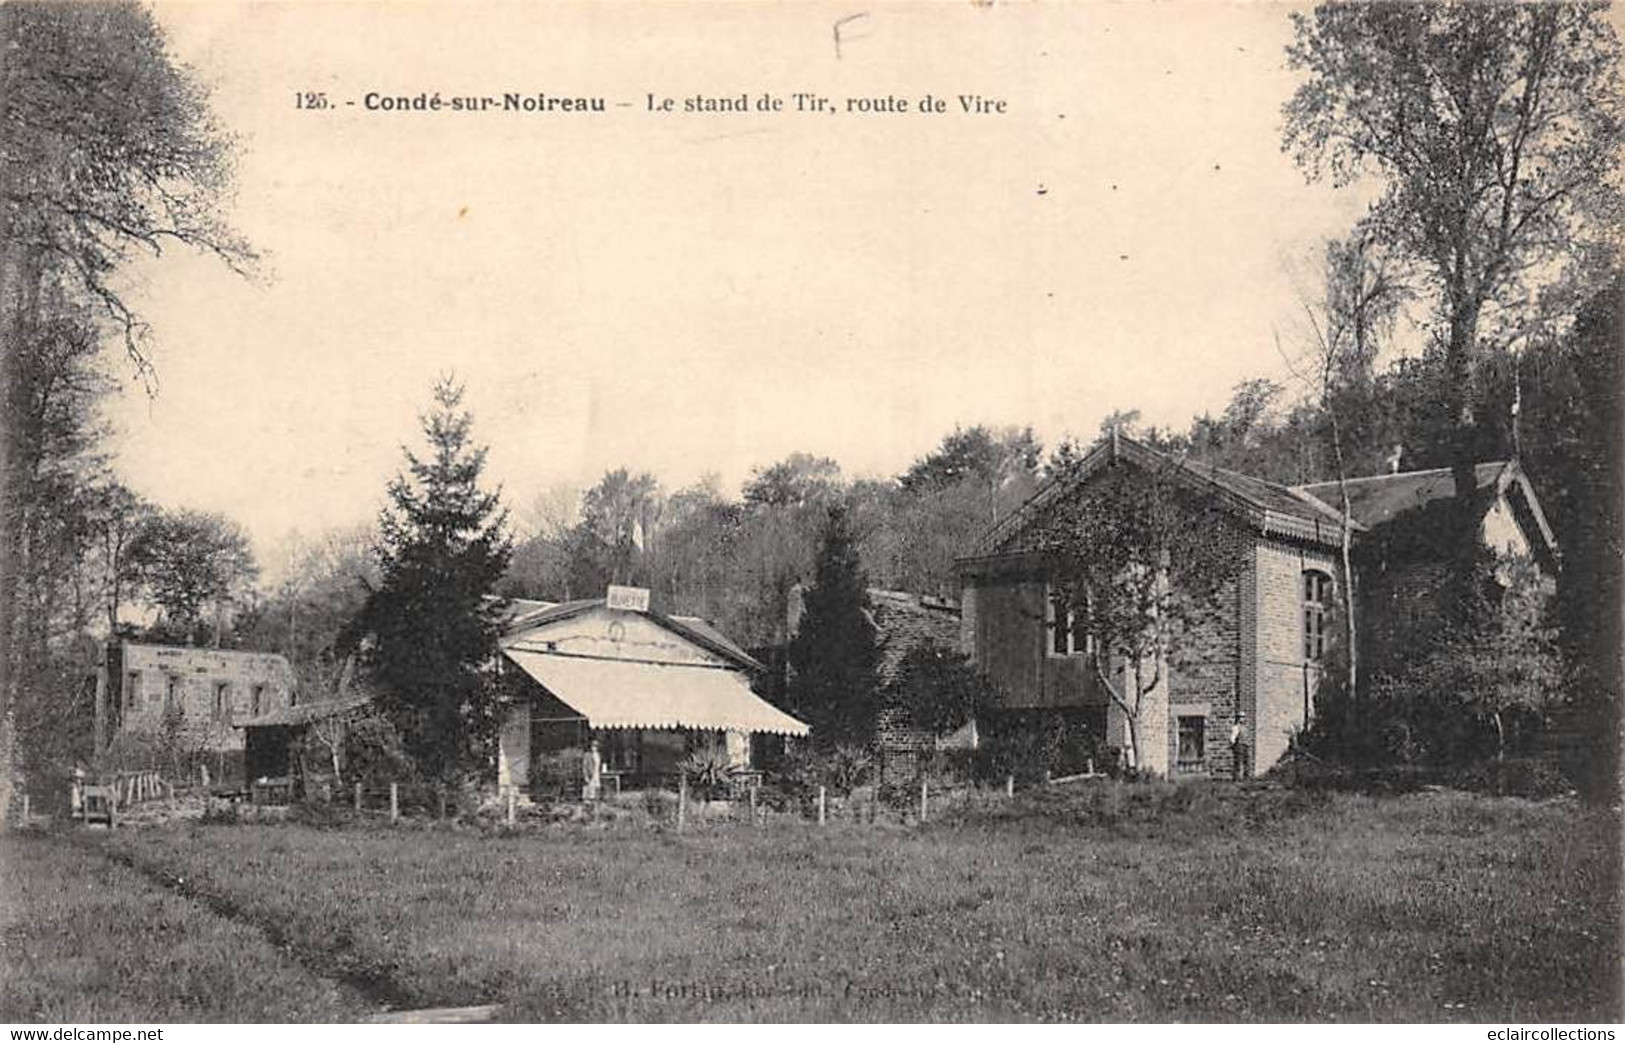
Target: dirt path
369	990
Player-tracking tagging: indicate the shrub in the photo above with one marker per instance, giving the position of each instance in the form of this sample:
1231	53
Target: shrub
373	754
840	770
1031	745
710	774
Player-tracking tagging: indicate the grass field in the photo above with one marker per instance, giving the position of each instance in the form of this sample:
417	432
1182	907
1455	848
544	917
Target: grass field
1099	906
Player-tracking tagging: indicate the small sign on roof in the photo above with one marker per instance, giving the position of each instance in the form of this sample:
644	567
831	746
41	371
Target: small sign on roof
629	599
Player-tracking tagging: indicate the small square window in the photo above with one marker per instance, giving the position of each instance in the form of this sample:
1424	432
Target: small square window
1192	741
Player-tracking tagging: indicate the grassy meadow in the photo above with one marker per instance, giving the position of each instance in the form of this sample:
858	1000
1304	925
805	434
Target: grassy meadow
1102	904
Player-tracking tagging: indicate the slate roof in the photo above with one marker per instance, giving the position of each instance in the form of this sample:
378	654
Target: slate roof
907	621
1380	498
1269	508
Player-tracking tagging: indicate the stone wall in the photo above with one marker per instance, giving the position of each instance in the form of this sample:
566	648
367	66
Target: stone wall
210	690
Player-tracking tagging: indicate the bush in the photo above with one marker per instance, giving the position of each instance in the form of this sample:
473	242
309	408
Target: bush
710	774
1031	745
839	771
1515	777
373	754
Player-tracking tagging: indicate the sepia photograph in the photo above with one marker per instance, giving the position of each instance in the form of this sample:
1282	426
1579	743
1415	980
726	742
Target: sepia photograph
898	512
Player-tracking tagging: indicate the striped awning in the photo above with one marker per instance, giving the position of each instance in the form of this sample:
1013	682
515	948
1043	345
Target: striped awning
620	693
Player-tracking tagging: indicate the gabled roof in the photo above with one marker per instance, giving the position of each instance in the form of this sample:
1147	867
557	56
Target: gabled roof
1266	507
1379	499
692	628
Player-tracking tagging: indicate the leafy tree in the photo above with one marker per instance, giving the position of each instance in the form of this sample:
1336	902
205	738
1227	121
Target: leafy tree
1477	682
1495	131
431	624
833	654
106	148
990	457
187	562
799	480
619	516
1147	561
323	586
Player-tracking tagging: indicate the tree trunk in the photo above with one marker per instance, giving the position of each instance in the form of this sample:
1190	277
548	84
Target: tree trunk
1459	383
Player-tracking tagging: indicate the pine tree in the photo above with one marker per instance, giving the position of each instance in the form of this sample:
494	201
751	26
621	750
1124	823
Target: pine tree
431	622
833	655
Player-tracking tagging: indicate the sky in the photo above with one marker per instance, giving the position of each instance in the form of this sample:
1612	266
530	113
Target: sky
693	293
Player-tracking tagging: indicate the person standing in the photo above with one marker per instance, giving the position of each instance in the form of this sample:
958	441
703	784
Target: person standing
592	772
1238	747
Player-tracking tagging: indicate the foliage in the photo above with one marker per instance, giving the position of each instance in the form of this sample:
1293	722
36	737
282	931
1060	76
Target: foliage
431	626
1471	687
833	656
107	148
939	689
710	773
1033	745
372	753
187	562
323	585
839	770
1147	560
1496	133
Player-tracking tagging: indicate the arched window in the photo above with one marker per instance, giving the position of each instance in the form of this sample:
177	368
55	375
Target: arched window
1317	603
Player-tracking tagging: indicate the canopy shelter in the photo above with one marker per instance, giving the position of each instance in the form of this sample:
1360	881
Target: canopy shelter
650	689
622	693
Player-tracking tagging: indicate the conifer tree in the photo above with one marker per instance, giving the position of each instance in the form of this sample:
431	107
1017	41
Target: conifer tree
431	624
833	654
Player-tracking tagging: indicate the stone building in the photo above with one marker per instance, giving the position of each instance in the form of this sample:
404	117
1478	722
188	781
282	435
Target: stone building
1258	656
190	699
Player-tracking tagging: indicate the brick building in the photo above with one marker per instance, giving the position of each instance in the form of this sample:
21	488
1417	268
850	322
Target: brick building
1258	655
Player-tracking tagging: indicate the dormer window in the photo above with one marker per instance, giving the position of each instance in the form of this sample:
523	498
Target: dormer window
1066	622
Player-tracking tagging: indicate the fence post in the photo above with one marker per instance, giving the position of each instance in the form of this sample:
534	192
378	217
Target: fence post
820	805
394	802
511	802
358	796
682	800
753	805
1009	785
923	785
25	809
